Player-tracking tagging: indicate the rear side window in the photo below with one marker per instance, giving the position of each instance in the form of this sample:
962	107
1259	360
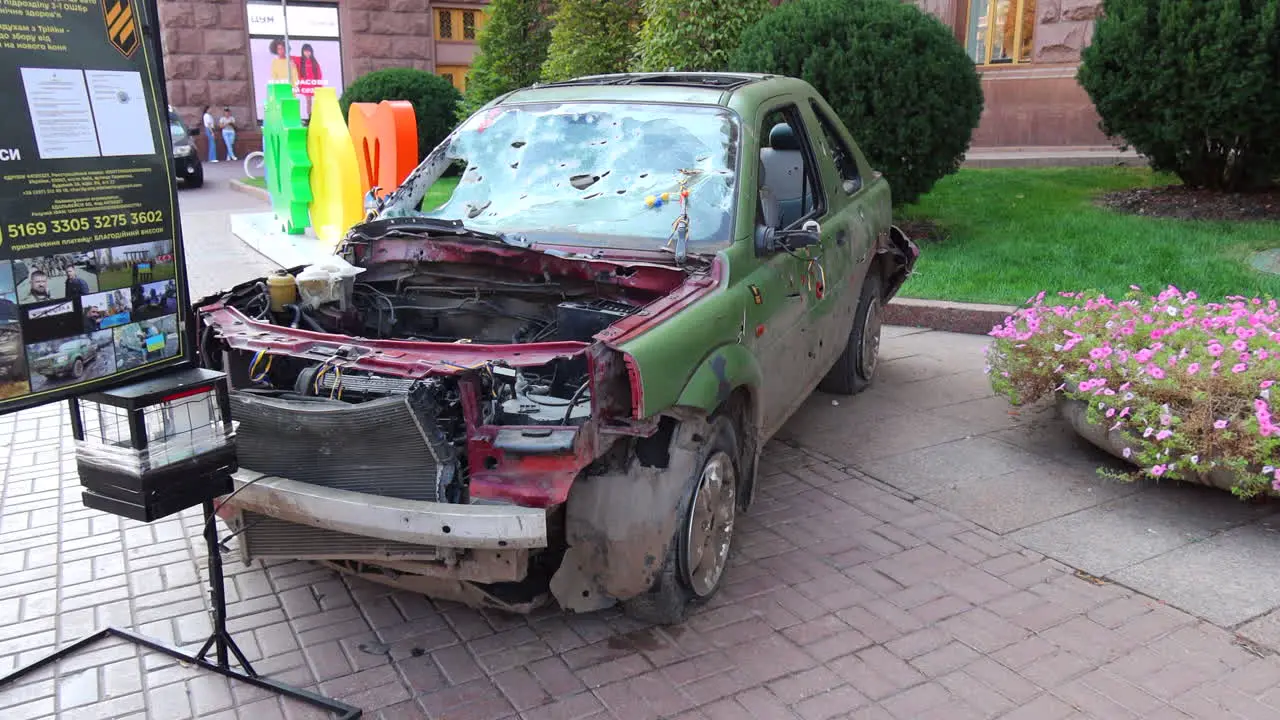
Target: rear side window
839	151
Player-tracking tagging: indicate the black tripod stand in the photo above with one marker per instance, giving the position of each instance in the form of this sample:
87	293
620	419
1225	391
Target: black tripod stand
220	641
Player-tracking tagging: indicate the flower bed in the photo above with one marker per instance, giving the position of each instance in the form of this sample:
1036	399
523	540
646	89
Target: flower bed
1179	387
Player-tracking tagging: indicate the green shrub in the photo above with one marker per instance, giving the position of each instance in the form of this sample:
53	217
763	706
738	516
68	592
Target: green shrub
435	100
694	35
591	37
1192	84
895	75
513	46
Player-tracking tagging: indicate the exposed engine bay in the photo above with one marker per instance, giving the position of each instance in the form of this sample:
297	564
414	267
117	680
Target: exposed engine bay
435	374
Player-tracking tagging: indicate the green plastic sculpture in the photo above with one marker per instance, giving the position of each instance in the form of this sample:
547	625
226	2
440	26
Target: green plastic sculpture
287	165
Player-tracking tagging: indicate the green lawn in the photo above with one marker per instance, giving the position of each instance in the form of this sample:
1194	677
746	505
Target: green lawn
436	196
1015	232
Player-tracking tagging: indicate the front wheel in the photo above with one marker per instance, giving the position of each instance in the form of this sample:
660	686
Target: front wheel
699	552
77	370
856	366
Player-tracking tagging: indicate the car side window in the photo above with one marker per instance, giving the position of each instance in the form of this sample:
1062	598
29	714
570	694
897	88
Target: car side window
790	191
838	150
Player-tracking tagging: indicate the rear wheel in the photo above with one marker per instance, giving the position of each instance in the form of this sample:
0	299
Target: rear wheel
856	366
699	552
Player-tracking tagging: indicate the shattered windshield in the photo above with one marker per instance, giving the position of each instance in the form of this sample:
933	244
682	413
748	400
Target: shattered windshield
592	174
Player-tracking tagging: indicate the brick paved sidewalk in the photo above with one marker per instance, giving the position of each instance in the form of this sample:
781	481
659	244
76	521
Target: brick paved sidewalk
846	600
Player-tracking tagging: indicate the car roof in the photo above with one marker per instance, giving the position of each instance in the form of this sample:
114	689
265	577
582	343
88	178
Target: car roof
699	88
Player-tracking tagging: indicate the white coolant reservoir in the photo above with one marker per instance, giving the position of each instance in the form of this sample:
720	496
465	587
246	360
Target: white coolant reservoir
344	277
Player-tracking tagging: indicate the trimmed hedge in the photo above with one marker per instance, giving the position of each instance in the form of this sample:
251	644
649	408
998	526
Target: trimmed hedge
895	75
1194	85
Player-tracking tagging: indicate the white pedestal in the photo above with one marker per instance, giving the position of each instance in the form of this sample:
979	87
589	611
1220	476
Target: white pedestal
261	232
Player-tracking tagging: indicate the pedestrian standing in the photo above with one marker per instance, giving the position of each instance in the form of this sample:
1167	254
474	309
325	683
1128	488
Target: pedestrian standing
228	124
207	120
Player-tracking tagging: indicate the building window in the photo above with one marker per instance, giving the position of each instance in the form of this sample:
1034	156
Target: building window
1000	31
459	25
455	74
444	26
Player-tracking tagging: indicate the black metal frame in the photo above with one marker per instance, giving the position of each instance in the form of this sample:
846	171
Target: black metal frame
220	641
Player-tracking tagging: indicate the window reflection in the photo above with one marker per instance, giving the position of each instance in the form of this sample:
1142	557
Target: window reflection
1001	31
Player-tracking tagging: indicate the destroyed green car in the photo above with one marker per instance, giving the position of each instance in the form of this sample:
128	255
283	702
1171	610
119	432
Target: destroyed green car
557	383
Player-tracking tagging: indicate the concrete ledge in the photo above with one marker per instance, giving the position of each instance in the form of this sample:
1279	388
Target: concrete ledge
969	318
1052	157
246	188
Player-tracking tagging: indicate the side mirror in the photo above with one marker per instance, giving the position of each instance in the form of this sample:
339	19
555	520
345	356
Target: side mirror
769	240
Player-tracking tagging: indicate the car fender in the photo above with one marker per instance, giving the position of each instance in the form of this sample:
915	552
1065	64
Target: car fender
724	370
619	523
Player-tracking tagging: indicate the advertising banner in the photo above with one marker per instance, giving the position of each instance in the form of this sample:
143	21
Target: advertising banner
92	283
313	58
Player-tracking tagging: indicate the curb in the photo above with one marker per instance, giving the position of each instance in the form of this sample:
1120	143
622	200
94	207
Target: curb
246	188
967	318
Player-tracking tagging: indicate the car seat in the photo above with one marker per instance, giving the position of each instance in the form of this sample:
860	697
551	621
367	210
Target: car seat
784	166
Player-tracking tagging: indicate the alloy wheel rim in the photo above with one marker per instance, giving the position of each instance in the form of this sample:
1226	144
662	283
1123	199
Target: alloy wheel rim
711	519
870	355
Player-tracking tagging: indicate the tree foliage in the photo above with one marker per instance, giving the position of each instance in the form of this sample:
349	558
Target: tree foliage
591	37
513	46
895	75
1194	85
434	99
694	35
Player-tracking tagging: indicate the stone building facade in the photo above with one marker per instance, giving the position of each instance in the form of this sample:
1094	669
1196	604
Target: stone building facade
1027	52
207	56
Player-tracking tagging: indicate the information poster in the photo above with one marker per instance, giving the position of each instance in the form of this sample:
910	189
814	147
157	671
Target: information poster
92	287
311	58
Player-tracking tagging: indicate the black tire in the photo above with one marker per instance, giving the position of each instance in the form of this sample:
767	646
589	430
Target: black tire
77	370
197	179
680	588
856	366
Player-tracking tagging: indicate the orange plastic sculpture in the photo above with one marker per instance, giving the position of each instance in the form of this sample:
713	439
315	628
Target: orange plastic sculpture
385	136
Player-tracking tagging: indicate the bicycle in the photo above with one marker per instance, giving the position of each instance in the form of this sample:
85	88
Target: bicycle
255	164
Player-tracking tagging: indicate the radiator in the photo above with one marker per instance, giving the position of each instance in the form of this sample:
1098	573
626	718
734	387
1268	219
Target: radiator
390	446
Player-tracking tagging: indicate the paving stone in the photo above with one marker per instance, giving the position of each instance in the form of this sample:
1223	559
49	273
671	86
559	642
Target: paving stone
1106	538
1227	579
1013	500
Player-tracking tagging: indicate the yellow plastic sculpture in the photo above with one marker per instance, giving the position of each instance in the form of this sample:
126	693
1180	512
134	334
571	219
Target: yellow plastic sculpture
336	203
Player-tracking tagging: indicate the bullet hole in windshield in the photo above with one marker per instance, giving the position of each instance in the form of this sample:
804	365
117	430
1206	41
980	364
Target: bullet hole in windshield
592	196
518	144
473	211
582	182
515	166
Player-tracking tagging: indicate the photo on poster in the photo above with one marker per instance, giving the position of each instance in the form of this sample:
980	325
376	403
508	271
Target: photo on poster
142	342
119	102
137	264
311	63
51	321
155	299
61	116
55	277
13	360
106	310
57	363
